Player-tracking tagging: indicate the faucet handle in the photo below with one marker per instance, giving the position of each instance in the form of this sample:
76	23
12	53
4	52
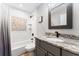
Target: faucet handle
32	34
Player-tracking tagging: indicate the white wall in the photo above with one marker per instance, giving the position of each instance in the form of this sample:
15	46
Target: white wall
43	27
19	38
34	22
42	11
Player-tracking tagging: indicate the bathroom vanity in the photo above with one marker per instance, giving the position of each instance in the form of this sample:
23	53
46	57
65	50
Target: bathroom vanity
50	48
45	49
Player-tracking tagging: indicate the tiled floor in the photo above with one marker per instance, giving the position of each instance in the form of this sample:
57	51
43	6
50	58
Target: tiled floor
27	54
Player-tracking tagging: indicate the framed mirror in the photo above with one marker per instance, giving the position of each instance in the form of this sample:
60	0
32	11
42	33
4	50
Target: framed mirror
60	16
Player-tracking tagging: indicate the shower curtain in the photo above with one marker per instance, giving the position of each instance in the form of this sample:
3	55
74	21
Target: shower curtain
5	49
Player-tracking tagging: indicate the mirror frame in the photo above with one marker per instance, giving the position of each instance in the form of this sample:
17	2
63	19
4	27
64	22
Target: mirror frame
69	18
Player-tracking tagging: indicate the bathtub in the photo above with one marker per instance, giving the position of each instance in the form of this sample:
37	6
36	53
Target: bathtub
18	51
19	47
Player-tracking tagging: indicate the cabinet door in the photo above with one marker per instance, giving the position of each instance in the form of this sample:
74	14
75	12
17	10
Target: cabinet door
40	52
51	48
66	53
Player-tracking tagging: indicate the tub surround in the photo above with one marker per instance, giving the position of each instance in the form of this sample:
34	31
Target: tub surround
70	43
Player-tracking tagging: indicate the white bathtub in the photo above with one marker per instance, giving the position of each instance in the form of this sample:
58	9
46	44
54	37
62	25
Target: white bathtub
18	51
19	47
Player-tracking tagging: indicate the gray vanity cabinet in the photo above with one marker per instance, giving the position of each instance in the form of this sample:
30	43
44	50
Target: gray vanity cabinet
44	48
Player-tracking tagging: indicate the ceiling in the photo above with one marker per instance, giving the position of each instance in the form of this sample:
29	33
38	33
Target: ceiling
28	7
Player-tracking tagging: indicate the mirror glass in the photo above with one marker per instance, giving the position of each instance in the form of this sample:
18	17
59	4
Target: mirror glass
58	14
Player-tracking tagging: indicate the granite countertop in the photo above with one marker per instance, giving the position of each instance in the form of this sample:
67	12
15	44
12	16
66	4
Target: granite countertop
69	44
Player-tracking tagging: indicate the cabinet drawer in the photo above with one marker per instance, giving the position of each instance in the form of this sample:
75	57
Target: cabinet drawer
67	53
38	42
54	50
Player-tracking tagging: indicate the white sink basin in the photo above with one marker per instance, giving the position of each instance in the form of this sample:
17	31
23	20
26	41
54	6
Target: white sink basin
55	39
